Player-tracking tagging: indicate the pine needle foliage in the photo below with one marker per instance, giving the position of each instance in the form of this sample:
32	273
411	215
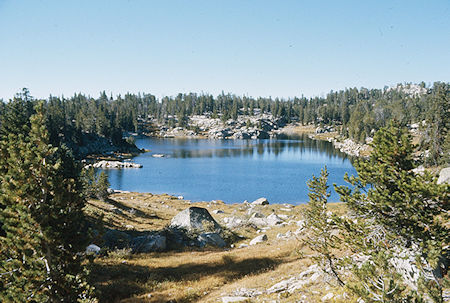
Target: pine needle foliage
395	209
95	185
43	221
321	237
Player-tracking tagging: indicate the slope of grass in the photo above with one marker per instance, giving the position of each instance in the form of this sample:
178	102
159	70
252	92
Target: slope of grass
196	275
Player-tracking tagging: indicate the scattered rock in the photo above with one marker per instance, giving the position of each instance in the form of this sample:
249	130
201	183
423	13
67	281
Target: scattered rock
93	249
115	164
301	223
327	297
284	217
311	274
234	299
419	170
288	235
444	176
286	209
273	220
260	201
258	222
258	240
218	211
247	292
350	147
233	222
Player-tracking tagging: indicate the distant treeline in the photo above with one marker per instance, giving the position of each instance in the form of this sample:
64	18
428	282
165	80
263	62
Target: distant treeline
356	112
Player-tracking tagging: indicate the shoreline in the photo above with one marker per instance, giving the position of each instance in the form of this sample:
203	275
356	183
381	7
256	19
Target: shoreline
175	196
267	127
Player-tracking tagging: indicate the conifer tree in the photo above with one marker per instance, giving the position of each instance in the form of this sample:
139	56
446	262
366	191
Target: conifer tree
95	185
321	238
42	217
102	186
396	209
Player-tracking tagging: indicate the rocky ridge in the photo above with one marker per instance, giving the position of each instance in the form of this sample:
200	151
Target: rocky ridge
261	126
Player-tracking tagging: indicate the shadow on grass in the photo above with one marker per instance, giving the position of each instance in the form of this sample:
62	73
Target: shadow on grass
126	210
119	281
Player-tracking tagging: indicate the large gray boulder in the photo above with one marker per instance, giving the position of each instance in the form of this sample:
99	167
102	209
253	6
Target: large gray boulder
149	243
211	239
115	239
444	176
195	219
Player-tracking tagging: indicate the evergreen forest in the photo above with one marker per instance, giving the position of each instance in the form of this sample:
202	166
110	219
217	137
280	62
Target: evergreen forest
356	113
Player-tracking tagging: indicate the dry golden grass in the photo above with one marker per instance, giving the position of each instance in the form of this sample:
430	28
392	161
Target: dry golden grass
195	275
299	129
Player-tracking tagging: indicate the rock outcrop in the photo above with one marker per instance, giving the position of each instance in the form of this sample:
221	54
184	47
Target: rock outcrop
114	164
194	219
211	239
444	176
350	147
312	274
195	226
149	243
259	126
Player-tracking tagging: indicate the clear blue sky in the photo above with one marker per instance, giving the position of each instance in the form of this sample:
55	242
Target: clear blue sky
259	48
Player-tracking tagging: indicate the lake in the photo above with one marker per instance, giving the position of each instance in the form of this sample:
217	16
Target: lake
233	170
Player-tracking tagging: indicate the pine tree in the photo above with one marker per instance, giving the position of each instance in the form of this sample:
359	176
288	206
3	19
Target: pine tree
95	185
16	118
89	181
43	220
321	238
437	138
22	263
102	186
395	209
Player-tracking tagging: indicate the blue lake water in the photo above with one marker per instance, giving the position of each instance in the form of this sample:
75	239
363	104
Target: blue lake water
233	170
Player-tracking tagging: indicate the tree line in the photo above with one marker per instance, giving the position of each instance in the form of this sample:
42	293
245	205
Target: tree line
356	113
43	230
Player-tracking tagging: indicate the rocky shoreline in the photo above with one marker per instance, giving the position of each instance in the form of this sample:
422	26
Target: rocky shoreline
114	165
262	126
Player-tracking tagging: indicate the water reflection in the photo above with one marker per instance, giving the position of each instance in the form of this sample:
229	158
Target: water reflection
232	170
249	148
